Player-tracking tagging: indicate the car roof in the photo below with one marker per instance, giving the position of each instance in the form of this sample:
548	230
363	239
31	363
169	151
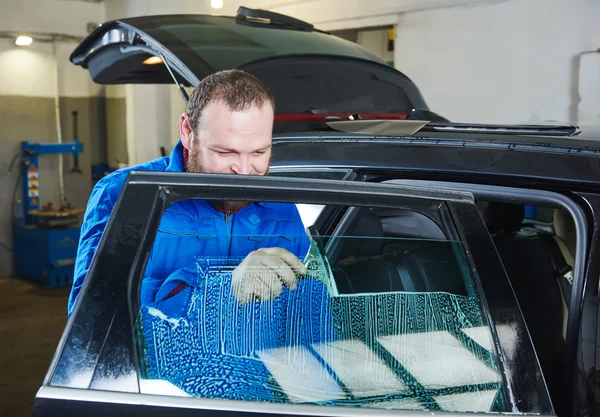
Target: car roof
524	160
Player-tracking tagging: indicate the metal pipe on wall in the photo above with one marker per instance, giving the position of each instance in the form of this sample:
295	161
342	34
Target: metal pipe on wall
61	179
587	101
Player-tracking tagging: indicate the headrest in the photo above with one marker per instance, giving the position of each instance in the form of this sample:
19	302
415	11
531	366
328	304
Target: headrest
433	267
367	225
405	223
566	229
503	218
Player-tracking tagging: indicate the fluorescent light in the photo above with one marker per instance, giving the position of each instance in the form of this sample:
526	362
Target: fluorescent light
153	60
23	41
216	4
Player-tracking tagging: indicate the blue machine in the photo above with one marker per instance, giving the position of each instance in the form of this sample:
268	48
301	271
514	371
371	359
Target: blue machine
45	238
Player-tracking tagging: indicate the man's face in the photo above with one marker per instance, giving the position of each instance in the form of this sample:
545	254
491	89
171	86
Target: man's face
229	142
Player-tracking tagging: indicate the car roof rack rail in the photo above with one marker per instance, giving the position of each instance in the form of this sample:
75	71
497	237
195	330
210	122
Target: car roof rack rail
541	130
271	18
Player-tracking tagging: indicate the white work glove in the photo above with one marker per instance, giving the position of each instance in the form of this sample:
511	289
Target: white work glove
264	272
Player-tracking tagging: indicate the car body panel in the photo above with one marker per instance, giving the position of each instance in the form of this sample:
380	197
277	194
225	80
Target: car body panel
497	159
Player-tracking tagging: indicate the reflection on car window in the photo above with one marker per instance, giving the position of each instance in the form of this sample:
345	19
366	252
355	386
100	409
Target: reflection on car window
322	174
372	322
310	212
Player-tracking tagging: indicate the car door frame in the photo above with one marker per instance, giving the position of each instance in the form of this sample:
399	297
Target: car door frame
98	341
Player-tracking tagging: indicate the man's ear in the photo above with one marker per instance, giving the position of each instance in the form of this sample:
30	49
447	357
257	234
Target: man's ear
185	131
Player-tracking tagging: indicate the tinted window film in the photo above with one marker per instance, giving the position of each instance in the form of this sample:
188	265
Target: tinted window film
371	319
324	86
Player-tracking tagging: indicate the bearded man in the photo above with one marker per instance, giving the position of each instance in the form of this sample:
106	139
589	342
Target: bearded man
226	129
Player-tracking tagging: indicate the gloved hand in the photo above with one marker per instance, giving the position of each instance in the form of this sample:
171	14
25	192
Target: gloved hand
264	272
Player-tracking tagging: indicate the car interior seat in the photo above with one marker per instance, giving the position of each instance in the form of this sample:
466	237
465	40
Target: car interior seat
360	267
533	266
382	264
558	229
424	252
432	267
564	225
565	239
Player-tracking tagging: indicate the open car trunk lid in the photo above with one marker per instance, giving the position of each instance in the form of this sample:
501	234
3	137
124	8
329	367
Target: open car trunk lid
308	71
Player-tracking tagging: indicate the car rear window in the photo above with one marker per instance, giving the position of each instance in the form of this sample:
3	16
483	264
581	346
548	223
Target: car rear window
313	85
220	43
309	73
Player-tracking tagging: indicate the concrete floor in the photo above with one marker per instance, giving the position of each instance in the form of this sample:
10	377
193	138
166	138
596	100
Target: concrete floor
32	319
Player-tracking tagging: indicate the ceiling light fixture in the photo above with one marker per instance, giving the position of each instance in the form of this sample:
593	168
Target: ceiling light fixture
216	4
153	60
23	41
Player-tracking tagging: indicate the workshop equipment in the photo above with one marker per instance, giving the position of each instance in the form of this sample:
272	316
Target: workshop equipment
45	237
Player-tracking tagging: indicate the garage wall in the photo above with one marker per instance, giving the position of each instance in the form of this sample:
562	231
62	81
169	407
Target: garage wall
511	62
28	86
59	16
116	128
588	108
376	42
326	14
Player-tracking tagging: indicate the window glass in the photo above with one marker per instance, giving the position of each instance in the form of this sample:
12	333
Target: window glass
222	43
300	89
371	319
540	265
309	213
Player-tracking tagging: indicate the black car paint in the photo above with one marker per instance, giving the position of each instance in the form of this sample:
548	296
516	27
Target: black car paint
510	164
583	346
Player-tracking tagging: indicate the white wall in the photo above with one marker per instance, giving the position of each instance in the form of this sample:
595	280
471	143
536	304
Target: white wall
30	71
588	110
511	62
326	14
59	16
339	14
148	128
376	42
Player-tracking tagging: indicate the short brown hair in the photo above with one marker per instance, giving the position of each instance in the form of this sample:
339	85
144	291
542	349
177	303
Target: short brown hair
238	89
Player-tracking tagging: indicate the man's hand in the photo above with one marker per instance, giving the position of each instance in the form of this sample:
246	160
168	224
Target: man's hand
264	272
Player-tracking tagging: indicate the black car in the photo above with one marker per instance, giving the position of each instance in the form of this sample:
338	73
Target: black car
457	265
